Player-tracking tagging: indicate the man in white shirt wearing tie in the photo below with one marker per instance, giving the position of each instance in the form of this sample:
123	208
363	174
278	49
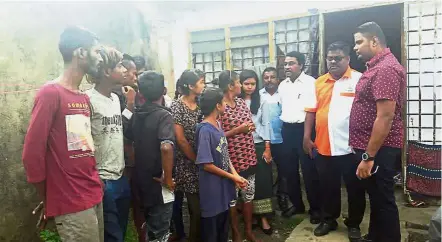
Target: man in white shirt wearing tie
295	92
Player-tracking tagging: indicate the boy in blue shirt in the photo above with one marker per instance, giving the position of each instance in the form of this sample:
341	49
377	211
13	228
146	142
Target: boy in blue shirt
217	177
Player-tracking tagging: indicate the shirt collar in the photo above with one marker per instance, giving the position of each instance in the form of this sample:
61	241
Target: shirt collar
346	75
377	58
264	91
300	78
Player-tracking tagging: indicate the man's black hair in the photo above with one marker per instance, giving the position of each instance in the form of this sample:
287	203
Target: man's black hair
372	29
339	45
74	37
270	69
299	57
127	60
140	62
209	99
151	85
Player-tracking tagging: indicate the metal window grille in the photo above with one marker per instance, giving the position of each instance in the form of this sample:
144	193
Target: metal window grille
245	58
423	24
211	63
300	34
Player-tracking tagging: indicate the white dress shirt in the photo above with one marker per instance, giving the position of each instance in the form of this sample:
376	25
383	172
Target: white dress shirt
295	97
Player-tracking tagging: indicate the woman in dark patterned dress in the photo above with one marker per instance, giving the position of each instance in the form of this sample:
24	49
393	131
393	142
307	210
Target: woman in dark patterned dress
238	126
187	114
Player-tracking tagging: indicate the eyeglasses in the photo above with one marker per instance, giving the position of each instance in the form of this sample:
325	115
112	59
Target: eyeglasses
335	58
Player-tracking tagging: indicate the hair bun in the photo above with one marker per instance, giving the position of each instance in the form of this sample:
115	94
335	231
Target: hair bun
215	81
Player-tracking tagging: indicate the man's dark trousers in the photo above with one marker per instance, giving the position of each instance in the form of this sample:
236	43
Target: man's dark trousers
384	215
293	134
330	170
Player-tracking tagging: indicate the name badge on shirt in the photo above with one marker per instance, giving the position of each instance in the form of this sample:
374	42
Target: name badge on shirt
349	91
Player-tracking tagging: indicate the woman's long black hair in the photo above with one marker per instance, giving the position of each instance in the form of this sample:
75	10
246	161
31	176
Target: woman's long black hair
255	98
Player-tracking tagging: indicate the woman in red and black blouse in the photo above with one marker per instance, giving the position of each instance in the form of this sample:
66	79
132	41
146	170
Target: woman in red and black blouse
238	126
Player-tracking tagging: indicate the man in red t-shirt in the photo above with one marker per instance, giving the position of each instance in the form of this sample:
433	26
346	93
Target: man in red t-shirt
58	153
376	129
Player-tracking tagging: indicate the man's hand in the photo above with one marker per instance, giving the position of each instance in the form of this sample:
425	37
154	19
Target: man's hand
308	146
364	169
129	93
167	182
267	155
42	219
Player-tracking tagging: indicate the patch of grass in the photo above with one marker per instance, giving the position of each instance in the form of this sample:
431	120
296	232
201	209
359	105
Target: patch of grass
131	232
49	236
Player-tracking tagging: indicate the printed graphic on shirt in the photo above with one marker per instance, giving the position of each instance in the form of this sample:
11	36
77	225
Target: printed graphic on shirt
222	148
78	129
74	106
112	124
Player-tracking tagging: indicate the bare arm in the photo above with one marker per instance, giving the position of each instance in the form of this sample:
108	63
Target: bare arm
167	163
308	144
233	132
41	189
243	128
381	126
310	118
183	144
232	169
210	167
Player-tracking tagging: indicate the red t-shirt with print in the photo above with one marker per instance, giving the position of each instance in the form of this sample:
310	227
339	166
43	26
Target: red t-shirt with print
59	149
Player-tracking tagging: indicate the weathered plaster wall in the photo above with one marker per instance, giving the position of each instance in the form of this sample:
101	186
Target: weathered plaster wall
29	57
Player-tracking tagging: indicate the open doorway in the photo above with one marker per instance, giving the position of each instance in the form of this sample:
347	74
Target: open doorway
341	26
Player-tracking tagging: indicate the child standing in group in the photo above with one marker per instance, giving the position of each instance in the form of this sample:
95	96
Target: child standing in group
217	177
151	130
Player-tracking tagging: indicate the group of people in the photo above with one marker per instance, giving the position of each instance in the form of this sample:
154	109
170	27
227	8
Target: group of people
92	155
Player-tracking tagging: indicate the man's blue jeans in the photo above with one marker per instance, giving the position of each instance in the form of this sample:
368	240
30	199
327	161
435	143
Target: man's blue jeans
116	204
158	221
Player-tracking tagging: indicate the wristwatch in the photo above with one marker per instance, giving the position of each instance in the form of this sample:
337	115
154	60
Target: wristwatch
366	157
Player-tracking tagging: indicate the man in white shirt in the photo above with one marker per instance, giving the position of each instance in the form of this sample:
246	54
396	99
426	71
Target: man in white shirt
294	92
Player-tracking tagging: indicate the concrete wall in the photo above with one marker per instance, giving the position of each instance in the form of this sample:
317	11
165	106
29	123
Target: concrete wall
29	57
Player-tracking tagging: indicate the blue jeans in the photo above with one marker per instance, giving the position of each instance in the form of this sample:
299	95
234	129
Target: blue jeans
158	221
116	204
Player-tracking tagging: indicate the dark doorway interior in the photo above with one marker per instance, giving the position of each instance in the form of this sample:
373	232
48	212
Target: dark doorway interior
341	25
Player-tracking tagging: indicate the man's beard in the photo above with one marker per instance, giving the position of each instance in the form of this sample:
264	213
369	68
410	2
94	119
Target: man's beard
93	69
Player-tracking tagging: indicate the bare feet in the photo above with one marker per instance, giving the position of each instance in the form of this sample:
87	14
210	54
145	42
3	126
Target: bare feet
264	223
236	236
251	237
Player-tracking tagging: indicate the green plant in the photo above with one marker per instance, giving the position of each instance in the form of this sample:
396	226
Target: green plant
49	236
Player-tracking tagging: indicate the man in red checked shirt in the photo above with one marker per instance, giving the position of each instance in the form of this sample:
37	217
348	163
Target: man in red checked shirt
376	129
58	153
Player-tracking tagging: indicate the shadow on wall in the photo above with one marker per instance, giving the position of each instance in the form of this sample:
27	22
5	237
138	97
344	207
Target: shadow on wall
28	58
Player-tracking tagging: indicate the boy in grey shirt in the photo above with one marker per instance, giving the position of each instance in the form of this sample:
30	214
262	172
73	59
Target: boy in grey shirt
107	132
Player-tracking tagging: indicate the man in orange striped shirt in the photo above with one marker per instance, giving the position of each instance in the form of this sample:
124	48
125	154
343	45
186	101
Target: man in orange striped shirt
330	110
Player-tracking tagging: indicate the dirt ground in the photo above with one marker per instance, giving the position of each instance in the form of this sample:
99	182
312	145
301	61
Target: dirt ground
282	228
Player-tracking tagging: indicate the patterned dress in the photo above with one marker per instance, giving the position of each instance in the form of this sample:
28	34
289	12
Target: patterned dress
186	172
241	146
